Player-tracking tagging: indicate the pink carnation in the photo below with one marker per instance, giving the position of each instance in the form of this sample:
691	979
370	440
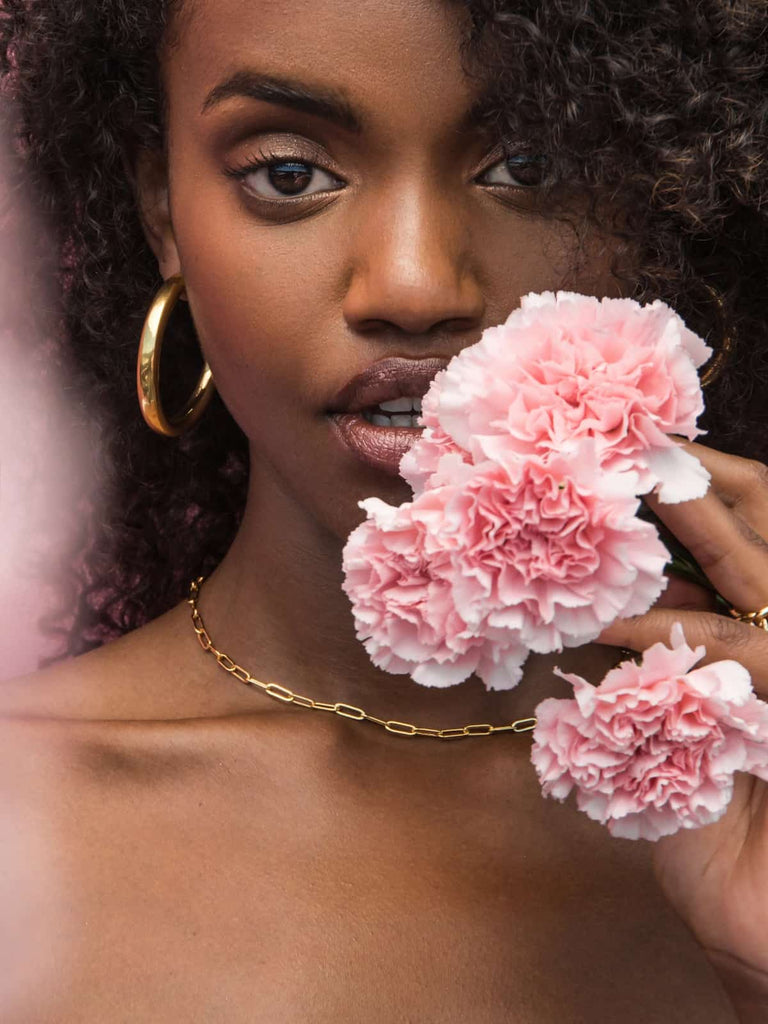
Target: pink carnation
403	603
568	366
653	748
549	552
491	562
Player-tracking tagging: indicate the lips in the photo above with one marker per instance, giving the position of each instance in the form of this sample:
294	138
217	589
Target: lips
379	446
386	380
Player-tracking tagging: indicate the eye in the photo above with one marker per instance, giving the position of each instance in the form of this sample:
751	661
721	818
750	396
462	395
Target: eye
518	170
276	178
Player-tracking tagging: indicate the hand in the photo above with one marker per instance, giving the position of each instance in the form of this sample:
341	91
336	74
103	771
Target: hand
717	877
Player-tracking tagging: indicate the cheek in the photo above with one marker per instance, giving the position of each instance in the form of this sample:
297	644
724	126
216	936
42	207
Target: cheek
264	302
525	252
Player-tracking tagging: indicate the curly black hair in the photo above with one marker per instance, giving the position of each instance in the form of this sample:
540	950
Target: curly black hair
656	112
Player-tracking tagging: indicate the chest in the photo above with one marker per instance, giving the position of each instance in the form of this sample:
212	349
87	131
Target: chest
280	895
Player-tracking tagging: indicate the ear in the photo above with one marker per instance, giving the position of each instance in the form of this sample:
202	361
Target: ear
150	174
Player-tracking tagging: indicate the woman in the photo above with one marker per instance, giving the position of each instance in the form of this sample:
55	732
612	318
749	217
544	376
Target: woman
350	192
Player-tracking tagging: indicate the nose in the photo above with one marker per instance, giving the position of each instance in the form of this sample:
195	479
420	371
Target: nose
412	267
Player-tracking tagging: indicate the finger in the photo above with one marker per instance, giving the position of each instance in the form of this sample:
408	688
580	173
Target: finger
723	638
741	484
733	557
683	594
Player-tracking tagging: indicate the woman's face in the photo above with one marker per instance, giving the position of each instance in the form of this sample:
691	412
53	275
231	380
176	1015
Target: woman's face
335	203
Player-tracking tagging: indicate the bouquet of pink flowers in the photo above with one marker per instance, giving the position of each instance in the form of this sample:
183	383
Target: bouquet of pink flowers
523	535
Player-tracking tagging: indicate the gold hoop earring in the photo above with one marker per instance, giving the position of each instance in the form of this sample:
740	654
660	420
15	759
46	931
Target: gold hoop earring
716	363
148	368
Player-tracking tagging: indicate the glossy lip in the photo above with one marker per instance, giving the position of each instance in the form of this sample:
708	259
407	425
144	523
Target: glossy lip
385	380
381	447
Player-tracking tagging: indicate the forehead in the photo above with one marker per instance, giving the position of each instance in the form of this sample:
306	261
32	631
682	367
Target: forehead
387	57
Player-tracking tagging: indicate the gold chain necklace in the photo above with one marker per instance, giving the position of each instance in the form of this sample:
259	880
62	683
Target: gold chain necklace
282	693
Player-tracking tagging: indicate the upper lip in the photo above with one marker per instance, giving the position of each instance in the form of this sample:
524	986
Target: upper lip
388	379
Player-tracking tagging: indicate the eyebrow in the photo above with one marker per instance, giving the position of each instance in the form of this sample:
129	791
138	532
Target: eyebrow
285	92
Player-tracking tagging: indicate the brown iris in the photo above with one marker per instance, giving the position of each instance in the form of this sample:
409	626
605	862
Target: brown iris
290	178
527	169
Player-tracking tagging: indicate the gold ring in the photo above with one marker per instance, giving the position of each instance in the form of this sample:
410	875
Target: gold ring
758	618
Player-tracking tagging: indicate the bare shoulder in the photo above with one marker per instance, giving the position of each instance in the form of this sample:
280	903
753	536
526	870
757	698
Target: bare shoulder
93	752
156	673
63	726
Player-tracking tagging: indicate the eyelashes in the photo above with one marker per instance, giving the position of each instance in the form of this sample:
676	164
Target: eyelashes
278	177
281	178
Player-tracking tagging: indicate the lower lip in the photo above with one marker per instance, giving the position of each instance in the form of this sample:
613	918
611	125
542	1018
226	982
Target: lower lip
380	447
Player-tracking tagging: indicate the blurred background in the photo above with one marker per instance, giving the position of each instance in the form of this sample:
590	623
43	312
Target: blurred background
46	443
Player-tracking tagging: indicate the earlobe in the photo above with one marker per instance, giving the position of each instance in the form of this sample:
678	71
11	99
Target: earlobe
151	185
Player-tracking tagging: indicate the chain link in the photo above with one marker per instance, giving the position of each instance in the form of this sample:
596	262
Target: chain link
286	696
758	618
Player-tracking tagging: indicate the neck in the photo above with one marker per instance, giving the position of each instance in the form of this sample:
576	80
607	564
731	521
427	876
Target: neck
275	605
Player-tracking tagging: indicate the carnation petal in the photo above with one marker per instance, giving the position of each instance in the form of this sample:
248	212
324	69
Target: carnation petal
725	679
682	477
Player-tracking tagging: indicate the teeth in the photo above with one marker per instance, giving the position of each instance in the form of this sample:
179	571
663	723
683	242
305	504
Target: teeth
401	405
391	421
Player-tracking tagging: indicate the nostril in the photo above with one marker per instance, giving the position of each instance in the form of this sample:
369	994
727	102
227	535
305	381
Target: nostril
459	324
373	306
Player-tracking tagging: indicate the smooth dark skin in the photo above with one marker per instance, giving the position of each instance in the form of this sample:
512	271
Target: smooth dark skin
178	847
